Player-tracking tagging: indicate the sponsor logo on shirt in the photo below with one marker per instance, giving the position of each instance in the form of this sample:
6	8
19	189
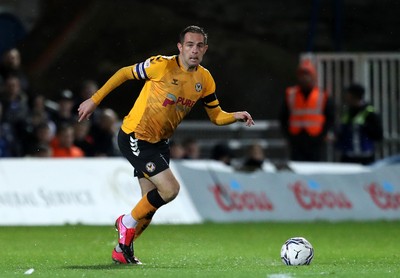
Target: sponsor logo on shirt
181	103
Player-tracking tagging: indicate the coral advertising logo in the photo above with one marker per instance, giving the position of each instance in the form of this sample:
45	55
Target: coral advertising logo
310	196
233	197
384	196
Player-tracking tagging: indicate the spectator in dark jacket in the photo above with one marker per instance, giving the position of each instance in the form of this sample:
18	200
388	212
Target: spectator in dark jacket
360	128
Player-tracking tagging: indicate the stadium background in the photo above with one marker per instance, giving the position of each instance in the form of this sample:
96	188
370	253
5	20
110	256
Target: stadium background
254	45
254	50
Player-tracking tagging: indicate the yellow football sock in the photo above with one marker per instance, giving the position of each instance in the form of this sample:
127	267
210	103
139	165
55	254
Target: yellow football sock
145	209
141	226
142	209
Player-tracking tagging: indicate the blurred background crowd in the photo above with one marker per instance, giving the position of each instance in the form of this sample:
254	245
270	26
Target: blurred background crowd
33	125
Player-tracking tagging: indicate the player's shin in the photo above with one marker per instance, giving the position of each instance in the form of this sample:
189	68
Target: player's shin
148	205
142	225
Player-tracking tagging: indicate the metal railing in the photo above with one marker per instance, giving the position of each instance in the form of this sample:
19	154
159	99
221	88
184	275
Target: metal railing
237	136
379	73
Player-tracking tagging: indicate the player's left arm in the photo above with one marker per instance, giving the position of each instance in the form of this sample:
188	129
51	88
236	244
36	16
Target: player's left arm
220	117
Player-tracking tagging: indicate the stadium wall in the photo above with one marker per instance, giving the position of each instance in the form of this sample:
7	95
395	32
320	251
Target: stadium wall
96	191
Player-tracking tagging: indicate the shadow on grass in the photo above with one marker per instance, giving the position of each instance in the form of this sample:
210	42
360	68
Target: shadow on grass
120	266
101	266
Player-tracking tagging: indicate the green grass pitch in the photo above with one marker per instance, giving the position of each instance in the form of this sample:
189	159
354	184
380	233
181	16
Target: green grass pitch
345	249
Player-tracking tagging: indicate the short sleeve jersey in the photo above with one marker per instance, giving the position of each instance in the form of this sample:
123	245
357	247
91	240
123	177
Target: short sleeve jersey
167	97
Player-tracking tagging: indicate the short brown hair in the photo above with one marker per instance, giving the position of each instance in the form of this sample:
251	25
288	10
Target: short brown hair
193	29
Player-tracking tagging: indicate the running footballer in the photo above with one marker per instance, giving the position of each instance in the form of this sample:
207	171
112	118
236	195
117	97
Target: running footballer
173	85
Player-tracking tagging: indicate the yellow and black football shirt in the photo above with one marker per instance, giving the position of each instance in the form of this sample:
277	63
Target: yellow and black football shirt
167	96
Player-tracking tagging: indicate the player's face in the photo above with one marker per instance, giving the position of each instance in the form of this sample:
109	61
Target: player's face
192	50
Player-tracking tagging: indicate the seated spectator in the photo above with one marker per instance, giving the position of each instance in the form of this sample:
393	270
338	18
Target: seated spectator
37	106
83	139
222	152
40	150
64	113
7	148
176	150
191	148
5	142
11	65
254	158
38	117
42	135
15	111
63	144
87	89
104	133
14	100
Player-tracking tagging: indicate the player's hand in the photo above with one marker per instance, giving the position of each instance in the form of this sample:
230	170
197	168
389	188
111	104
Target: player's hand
86	109
244	116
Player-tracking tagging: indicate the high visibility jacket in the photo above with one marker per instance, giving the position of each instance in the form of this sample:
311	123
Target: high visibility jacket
355	142
306	114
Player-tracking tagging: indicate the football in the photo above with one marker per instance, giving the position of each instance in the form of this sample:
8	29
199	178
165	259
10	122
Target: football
297	251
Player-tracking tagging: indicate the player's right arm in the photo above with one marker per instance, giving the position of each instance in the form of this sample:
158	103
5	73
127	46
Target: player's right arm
87	107
149	69
117	79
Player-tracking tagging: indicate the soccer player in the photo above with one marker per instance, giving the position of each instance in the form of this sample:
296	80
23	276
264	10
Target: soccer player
173	85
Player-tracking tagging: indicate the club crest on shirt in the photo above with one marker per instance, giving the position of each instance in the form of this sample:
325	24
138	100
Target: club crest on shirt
150	167
198	87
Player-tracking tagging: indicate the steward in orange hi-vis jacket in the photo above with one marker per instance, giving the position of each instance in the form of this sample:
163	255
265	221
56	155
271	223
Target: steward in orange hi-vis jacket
306	113
306	116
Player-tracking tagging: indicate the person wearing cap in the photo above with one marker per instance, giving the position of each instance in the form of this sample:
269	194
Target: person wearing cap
360	128
64	113
306	115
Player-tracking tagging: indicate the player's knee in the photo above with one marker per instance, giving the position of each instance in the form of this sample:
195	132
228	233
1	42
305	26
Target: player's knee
169	193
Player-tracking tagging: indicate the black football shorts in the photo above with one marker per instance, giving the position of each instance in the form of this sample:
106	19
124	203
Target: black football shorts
148	159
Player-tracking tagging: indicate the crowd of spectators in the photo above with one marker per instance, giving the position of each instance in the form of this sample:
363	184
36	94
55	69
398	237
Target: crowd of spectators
32	124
